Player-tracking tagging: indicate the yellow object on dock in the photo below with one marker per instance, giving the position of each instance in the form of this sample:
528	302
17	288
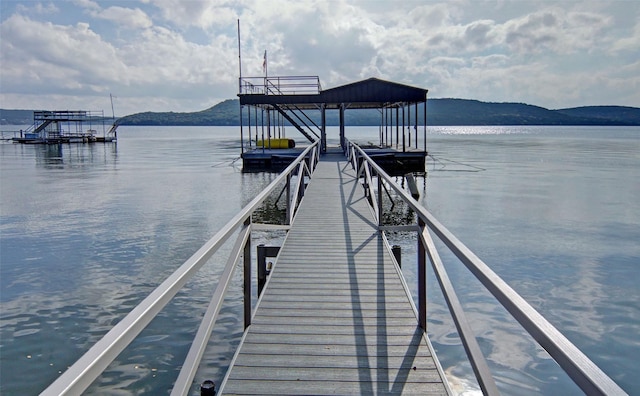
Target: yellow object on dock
276	143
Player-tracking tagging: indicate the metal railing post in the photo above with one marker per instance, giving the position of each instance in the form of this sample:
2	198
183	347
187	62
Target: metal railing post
468	338
247	278
289	209
422	279
301	181
379	200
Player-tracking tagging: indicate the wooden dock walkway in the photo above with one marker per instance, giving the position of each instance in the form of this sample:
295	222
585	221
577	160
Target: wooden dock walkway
334	317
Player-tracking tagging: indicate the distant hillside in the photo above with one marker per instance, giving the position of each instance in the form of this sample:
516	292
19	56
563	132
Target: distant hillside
474	112
439	112
224	113
617	113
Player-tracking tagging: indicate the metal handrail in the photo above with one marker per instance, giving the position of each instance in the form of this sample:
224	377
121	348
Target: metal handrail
586	374
85	370
280	85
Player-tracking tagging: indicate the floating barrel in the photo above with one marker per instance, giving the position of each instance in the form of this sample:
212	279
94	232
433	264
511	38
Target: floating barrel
277	143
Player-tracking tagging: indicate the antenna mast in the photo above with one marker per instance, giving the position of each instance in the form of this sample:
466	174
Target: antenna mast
239	61
113	114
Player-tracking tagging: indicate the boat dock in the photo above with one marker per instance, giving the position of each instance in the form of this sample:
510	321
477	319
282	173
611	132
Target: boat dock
335	317
268	104
67	126
334	314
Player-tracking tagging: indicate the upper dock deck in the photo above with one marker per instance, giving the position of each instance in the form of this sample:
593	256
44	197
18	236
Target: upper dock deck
335	317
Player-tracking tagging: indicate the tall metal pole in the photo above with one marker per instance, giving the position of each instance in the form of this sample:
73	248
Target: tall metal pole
239	92
266	74
239	61
113	113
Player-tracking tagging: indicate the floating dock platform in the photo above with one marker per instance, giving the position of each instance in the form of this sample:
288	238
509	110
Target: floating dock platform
394	162
335	316
67	126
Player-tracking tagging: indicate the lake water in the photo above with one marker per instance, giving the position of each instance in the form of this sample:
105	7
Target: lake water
88	231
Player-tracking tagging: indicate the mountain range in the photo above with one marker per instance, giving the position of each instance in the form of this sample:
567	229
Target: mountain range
439	112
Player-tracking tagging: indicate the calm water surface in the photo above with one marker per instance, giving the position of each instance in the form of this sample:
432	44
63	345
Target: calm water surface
88	231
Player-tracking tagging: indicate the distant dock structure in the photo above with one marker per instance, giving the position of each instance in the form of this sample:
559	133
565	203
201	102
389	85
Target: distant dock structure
67	126
268	103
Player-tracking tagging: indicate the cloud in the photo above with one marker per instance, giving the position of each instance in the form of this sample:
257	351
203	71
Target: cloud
555	30
629	43
127	17
201	14
38	8
182	55
69	58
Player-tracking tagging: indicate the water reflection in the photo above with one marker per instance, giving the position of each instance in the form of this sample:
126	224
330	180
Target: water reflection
73	156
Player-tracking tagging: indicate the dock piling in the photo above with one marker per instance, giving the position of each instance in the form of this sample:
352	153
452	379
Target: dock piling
263	271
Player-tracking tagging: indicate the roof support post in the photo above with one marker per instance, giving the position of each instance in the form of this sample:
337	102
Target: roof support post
403	134
342	143
248	122
415	124
409	124
263	141
397	126
381	124
323	131
424	133
242	132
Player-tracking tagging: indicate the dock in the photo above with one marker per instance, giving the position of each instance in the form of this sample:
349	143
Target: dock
335	317
67	126
268	104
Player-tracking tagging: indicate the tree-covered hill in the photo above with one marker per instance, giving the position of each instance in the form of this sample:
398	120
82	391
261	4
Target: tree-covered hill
439	112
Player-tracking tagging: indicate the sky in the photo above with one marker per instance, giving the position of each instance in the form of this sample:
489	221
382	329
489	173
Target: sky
182	55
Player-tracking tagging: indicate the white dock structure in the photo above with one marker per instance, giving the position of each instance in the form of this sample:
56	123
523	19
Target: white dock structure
335	317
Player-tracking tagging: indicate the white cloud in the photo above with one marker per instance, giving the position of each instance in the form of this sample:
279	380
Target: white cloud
38	8
201	14
68	57
182	55
132	18
555	30
629	43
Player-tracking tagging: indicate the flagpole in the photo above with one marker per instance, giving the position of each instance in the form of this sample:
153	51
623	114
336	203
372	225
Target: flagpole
266	74
240	92
239	61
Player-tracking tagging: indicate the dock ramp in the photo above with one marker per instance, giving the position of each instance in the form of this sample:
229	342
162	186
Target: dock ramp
335	317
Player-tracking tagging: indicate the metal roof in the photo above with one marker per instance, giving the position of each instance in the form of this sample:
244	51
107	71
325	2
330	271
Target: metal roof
366	94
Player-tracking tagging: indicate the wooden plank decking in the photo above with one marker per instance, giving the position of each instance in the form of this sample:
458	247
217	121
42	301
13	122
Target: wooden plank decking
334	317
